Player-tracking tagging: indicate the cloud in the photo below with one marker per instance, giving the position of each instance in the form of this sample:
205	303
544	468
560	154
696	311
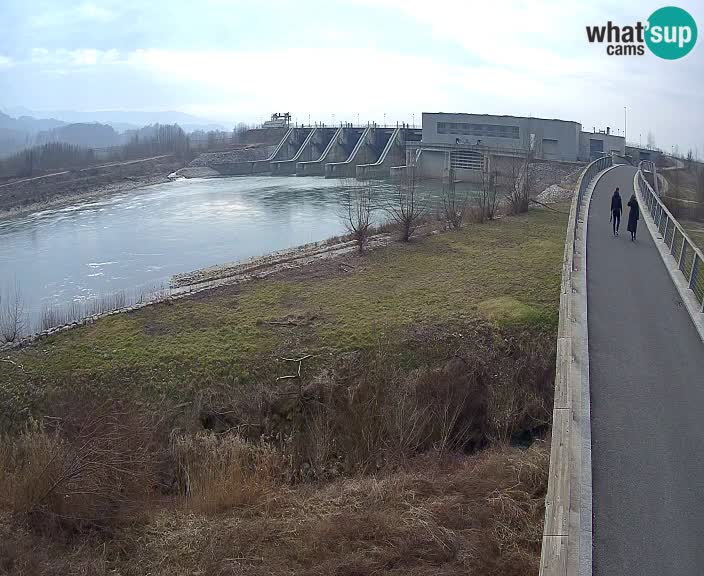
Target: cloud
91	12
85	13
6	62
502	57
87	57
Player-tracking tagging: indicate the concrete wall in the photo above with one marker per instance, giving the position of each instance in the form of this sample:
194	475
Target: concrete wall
610	143
638	154
313	146
338	150
559	138
367	151
394	154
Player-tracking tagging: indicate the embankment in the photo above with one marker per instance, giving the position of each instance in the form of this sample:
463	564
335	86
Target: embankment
40	191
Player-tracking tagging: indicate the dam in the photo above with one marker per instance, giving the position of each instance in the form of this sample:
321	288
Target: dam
346	151
466	145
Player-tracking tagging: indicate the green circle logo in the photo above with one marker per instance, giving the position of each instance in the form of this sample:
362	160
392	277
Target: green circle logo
670	33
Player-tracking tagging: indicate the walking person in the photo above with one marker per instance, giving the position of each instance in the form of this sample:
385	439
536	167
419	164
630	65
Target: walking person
633	216
616	209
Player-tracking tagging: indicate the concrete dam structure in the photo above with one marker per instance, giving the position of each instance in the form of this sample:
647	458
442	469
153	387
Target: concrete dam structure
333	152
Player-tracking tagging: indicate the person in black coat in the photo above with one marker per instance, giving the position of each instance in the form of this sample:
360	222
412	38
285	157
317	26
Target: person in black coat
616	209
633	216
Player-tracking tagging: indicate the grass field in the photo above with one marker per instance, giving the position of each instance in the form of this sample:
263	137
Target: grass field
507	271
412	438
695	230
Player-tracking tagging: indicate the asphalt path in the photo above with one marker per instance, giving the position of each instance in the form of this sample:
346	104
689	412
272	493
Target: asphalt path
646	364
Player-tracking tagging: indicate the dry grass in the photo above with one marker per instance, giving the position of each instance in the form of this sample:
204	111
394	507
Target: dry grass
215	474
92	468
396	460
437	515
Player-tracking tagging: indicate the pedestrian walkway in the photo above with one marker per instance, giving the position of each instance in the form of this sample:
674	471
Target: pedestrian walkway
646	366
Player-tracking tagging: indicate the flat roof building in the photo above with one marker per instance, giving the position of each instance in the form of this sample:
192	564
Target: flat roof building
463	141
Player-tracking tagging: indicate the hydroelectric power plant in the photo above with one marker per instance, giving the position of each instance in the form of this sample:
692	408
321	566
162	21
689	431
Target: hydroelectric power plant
466	143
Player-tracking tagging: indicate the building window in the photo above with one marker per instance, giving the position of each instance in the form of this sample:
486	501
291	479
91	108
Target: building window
479	130
466	160
596	145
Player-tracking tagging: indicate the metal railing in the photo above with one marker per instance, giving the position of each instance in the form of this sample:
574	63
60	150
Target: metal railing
583	185
689	257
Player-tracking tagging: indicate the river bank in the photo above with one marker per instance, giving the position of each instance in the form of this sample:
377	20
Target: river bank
90	194
70	186
348	415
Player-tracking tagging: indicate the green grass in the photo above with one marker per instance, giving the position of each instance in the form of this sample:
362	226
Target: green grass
695	230
507	271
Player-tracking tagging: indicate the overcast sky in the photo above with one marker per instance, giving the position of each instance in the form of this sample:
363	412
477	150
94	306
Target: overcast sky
240	60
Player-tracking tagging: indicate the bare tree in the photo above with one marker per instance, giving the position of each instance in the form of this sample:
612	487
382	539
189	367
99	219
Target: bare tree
407	209
650	141
454	203
519	176
356	212
11	316
489	198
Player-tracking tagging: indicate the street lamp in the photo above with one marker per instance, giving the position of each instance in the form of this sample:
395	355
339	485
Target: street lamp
624	124
414	119
384	119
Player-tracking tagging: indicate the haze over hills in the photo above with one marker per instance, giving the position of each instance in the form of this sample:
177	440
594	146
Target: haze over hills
21	127
122	120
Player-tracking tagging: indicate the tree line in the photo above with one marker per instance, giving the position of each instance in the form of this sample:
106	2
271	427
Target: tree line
155	140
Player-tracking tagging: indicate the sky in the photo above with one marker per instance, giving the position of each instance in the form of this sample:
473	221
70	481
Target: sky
332	61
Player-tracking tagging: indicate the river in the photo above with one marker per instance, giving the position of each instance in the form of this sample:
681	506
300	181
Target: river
133	242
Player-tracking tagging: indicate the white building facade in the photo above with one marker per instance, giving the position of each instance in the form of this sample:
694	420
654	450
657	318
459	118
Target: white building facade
465	141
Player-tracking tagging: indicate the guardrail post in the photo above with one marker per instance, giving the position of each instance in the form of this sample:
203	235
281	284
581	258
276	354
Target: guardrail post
683	252
674	244
693	273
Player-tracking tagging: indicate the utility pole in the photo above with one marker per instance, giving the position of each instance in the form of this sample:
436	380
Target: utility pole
624	124
414	119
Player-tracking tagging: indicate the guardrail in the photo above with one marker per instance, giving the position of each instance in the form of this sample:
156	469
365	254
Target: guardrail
584	180
566	546
690	260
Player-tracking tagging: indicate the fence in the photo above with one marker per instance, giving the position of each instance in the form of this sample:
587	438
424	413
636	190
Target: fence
689	257
584	180
566	535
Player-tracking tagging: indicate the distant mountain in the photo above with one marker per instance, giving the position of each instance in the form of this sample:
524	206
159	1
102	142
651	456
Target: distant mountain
18	133
123	120
92	135
28	123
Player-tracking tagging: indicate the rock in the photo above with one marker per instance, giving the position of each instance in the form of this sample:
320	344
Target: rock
554	193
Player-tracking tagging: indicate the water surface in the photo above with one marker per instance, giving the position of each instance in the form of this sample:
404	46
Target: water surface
135	241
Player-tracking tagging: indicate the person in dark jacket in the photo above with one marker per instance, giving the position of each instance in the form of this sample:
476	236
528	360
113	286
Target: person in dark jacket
616	209
633	216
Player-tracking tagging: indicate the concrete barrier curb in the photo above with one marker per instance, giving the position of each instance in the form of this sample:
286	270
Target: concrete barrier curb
567	535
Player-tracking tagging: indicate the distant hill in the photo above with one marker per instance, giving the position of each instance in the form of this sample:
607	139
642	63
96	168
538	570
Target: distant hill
88	129
123	120
28	124
18	133
92	135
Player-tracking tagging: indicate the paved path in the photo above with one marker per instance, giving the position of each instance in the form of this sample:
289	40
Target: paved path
647	388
